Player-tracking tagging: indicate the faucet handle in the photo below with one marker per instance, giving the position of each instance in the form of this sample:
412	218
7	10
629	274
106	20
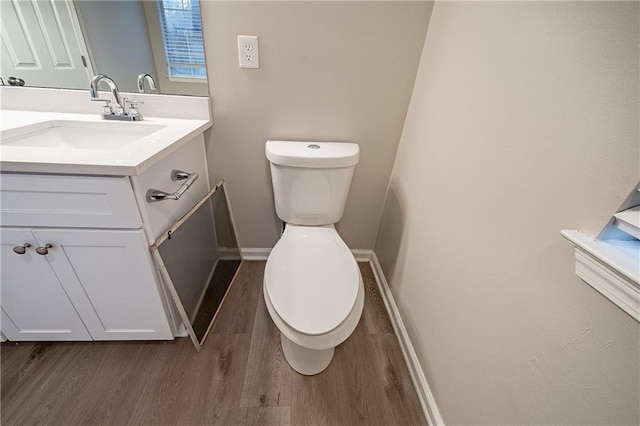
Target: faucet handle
133	103
132	106
120	109
106	108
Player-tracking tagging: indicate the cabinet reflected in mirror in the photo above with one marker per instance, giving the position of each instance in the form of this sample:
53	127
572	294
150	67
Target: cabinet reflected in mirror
63	43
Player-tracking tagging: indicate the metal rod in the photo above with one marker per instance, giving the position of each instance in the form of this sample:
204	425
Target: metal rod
154	195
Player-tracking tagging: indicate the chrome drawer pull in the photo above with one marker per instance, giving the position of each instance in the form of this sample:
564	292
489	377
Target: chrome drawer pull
44	250
21	249
179	175
154	195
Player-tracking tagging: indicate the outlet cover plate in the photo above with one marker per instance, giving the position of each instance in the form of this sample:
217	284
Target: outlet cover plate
248	51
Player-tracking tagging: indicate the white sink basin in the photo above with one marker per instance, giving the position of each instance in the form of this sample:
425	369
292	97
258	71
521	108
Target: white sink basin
81	135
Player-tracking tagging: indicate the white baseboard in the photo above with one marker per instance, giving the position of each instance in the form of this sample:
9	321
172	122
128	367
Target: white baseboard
255	253
418	378
362	255
427	401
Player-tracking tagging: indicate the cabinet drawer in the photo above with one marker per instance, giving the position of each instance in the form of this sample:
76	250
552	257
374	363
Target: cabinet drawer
161	215
69	201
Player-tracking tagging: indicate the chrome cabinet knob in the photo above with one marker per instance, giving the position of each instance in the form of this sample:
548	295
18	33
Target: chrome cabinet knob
43	250
21	249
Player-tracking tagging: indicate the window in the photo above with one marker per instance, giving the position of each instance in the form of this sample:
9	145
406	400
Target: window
182	36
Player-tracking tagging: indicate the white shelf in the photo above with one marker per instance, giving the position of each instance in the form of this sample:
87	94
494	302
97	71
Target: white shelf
612	267
629	221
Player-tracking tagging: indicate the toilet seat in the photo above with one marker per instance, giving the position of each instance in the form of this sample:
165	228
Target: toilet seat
312	279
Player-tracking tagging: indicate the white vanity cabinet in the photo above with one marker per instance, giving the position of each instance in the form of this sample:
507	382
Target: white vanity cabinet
77	182
88	273
80	279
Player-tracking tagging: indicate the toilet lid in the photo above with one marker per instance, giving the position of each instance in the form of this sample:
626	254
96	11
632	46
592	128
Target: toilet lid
312	279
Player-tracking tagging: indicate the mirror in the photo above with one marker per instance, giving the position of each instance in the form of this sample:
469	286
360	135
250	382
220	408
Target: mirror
63	43
198	259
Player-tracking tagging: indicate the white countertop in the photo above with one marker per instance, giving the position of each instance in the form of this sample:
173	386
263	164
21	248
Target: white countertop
132	159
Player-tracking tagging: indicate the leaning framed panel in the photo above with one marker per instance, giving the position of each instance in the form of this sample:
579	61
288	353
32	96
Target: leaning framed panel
198	258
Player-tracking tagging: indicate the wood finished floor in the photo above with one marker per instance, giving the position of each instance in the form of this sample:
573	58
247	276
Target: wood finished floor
239	378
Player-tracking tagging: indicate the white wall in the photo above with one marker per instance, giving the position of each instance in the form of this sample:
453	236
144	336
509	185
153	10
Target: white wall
329	71
523	121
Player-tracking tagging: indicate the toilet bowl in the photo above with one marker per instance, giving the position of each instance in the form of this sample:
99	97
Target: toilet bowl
313	289
314	293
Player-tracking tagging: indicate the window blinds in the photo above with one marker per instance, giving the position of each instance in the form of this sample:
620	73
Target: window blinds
182	35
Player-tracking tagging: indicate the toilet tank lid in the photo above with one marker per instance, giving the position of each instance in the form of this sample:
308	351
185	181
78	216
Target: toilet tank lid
312	154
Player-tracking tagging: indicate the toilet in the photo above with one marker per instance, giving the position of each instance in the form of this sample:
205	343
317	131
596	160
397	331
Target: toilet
312	287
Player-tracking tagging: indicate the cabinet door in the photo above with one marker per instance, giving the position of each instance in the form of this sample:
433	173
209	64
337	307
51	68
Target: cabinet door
109	277
34	304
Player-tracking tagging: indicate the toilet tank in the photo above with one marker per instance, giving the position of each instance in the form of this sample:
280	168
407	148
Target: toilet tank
311	180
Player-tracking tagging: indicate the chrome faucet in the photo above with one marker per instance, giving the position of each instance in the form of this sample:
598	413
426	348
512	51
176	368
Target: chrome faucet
93	89
125	109
146	76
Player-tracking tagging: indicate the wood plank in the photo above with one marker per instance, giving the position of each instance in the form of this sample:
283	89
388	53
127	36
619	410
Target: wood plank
268	377
221	385
265	416
376	318
169	387
109	389
401	401
20	356
337	395
57	382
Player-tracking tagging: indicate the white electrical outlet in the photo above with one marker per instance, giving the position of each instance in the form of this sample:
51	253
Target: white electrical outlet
248	51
